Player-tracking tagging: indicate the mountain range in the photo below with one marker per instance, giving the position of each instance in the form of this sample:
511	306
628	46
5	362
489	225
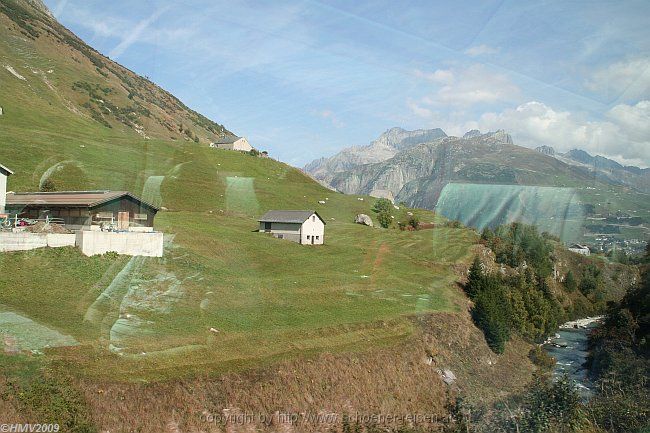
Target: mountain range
415	167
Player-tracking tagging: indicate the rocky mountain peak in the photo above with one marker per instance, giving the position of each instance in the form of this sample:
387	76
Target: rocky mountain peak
500	136
546	150
399	138
472	133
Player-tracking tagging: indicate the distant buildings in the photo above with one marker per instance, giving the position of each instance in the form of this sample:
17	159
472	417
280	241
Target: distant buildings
580	249
4	174
301	226
232	143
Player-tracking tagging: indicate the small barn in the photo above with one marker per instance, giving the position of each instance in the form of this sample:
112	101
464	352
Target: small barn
302	226
232	142
4	174
80	210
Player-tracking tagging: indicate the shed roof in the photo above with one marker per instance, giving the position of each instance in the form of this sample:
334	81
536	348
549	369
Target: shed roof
229	139
288	216
5	170
70	198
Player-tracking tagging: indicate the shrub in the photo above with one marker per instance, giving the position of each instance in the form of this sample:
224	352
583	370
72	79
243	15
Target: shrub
414	222
383	205
384	219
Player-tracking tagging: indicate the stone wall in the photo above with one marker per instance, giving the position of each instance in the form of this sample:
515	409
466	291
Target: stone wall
126	243
29	241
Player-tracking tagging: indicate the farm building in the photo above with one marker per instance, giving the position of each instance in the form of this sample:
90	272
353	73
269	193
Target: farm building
232	143
580	249
301	226
4	174
80	210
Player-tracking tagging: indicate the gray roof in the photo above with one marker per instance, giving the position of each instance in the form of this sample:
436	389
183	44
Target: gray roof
288	216
5	170
226	140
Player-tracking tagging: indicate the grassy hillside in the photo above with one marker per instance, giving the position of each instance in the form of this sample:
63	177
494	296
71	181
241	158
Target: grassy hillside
48	72
265	296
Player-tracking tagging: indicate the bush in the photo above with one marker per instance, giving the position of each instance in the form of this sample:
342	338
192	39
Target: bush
383	205
552	407
414	222
384	219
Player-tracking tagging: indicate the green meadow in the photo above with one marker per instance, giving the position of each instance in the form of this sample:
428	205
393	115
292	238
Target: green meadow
223	295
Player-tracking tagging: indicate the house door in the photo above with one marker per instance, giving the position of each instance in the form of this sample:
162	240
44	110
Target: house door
122	220
312	239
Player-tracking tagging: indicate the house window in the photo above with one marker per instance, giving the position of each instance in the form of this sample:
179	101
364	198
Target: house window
267	226
313	218
317	237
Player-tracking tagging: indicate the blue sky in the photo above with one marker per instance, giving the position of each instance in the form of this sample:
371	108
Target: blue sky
304	79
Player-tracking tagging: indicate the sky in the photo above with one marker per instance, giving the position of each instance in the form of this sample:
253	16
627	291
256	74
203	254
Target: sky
304	79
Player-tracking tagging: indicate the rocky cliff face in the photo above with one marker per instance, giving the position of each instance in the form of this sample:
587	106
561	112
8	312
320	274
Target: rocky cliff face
417	174
382	149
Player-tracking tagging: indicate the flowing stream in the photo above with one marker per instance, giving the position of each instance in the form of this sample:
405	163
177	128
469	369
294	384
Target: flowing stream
569	348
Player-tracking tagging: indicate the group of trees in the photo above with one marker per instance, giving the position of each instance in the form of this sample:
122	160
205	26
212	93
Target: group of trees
620	360
502	305
522	303
517	244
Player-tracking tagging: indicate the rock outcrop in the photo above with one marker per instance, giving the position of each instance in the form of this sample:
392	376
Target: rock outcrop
364	219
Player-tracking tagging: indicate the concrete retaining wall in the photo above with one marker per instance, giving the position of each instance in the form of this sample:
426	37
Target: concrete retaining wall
129	243
30	241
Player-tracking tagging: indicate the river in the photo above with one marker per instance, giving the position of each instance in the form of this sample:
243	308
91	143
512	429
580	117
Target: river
569	348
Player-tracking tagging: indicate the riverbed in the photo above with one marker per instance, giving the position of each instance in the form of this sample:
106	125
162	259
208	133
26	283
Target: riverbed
569	348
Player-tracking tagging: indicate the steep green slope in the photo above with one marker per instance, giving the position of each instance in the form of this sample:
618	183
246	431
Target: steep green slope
50	75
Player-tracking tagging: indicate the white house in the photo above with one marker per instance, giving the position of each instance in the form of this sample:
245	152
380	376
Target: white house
232	143
4	174
580	249
301	226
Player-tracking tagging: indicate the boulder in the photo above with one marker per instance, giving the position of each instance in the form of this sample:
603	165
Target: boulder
447	376
364	219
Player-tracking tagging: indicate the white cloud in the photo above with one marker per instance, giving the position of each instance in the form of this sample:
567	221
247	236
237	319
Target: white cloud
480	50
626	80
624	137
475	84
635	119
439	76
